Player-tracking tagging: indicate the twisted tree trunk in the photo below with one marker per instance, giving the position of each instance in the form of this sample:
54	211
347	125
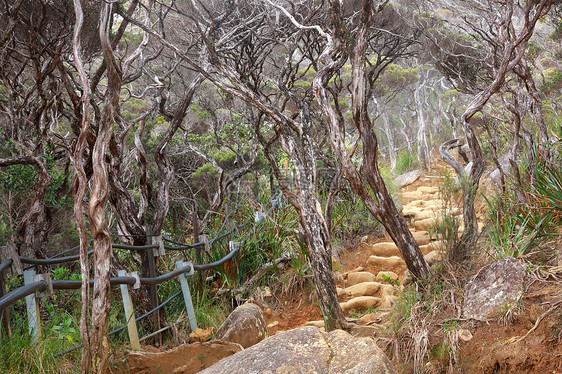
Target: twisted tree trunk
80	185
383	209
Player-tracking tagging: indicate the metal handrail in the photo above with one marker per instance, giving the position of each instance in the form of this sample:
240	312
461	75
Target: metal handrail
134	247
165	277
123	327
21	292
28	289
51	261
6	264
219	262
42	285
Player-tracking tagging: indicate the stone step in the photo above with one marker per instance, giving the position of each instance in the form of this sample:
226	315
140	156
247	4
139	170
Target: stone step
428	189
389	249
434	256
360	303
422	239
409	196
360	289
384	249
357	277
425	214
382	277
393	263
320	324
424	224
425	249
434	204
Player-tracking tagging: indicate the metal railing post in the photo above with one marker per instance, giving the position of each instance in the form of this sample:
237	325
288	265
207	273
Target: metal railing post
187	295
151	269
129	313
33	315
5	315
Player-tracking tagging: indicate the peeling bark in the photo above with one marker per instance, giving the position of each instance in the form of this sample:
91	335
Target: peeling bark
80	185
99	343
383	209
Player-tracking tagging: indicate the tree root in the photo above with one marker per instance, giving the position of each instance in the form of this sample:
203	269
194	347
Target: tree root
516	339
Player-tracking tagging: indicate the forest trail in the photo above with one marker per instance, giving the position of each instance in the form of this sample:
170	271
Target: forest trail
374	273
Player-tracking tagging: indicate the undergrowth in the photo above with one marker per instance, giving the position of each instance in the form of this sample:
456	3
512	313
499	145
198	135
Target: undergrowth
520	228
423	325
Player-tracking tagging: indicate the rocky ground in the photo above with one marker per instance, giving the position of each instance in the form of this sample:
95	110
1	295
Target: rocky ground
370	278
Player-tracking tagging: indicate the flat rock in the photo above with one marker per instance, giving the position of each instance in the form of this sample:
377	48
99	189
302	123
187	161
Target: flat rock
385	249
184	359
360	289
434	257
426	249
408	178
359	277
363	331
245	326
428	189
201	335
434	204
425	214
411	211
394	264
307	350
486	293
424	224
382	276
422	239
465	335
360	303
367	319
388	295
319	324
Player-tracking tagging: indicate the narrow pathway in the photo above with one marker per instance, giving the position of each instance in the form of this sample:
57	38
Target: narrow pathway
378	281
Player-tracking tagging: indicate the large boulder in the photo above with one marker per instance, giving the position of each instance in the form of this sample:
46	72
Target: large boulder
307	350
245	326
408	178
494	286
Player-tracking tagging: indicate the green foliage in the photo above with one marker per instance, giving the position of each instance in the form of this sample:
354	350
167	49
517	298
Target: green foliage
404	161
401	310
389	280
446	227
205	171
395	77
350	218
514	228
210	311
19	354
508	231
275	236
59	331
533	50
17	178
552	80
547	192
225	156
388	177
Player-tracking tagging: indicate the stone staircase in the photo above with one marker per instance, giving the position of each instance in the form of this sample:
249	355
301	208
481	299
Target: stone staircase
377	283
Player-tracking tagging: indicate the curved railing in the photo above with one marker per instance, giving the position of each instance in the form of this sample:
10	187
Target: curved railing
124	281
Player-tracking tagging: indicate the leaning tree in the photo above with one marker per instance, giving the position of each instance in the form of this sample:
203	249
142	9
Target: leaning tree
478	53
